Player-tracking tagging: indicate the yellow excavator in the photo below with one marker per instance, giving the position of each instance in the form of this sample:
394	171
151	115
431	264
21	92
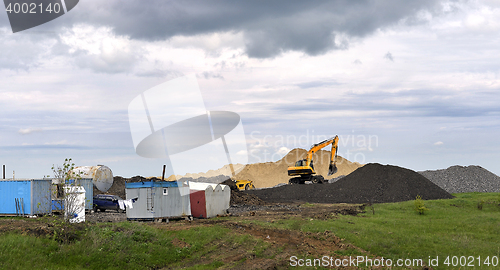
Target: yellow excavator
303	170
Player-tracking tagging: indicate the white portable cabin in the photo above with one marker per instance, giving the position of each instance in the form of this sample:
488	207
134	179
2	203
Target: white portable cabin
157	200
209	200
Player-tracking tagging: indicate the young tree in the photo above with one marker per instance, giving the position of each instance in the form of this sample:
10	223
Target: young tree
68	188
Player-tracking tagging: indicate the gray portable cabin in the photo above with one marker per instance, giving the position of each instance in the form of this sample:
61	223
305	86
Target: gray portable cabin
86	183
25	197
157	200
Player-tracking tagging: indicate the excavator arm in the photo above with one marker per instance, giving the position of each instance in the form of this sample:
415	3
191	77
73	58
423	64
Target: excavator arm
332	168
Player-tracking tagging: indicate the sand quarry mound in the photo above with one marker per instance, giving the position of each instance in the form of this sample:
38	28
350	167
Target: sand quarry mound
263	175
372	183
270	174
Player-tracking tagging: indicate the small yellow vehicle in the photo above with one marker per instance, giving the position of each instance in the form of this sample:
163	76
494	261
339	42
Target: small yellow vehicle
244	184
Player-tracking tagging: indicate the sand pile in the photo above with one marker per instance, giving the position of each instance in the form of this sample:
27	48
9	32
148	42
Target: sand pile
270	174
372	183
225	170
459	179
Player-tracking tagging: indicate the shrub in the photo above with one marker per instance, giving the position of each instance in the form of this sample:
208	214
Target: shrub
480	205
419	205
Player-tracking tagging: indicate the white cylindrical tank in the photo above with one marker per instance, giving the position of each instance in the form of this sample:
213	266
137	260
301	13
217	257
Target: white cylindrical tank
101	175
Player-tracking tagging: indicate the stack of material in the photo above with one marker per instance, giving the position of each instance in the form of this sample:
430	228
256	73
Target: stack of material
459	179
372	183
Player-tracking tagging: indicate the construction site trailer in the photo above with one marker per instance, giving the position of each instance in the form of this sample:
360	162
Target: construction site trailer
209	200
157	200
25	197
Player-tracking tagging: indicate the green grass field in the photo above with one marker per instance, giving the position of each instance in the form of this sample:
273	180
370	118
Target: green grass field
455	227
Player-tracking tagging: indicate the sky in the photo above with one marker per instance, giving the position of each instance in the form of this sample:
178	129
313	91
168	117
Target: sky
413	84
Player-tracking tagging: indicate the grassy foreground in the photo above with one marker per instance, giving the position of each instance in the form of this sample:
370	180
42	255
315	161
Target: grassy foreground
455	227
122	246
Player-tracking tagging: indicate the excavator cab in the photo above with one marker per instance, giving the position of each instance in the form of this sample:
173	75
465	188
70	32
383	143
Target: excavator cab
300	163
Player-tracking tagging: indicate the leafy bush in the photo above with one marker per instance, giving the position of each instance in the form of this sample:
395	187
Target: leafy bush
419	205
480	205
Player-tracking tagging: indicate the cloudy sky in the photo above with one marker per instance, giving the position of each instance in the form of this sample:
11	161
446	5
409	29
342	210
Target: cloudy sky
414	84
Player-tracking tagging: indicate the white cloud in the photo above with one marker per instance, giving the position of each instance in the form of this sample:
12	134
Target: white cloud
283	150
100	49
25	131
438	143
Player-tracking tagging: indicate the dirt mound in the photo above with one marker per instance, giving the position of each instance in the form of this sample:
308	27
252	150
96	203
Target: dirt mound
241	198
459	179
372	183
270	174
118	187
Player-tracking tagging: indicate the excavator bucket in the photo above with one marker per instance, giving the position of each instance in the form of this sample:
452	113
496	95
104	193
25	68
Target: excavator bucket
332	169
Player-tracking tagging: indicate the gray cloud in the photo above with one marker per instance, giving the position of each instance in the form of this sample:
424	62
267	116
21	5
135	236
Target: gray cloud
389	56
424	103
314	84
269	28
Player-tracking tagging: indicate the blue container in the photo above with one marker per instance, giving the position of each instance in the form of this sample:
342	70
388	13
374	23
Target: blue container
33	197
57	205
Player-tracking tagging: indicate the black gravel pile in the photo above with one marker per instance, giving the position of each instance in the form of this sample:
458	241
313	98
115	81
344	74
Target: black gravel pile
372	183
459	179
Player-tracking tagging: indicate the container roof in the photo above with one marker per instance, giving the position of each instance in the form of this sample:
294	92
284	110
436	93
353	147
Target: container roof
151	184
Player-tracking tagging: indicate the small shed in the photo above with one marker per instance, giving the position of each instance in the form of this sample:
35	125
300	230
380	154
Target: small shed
157	200
209	200
25	197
